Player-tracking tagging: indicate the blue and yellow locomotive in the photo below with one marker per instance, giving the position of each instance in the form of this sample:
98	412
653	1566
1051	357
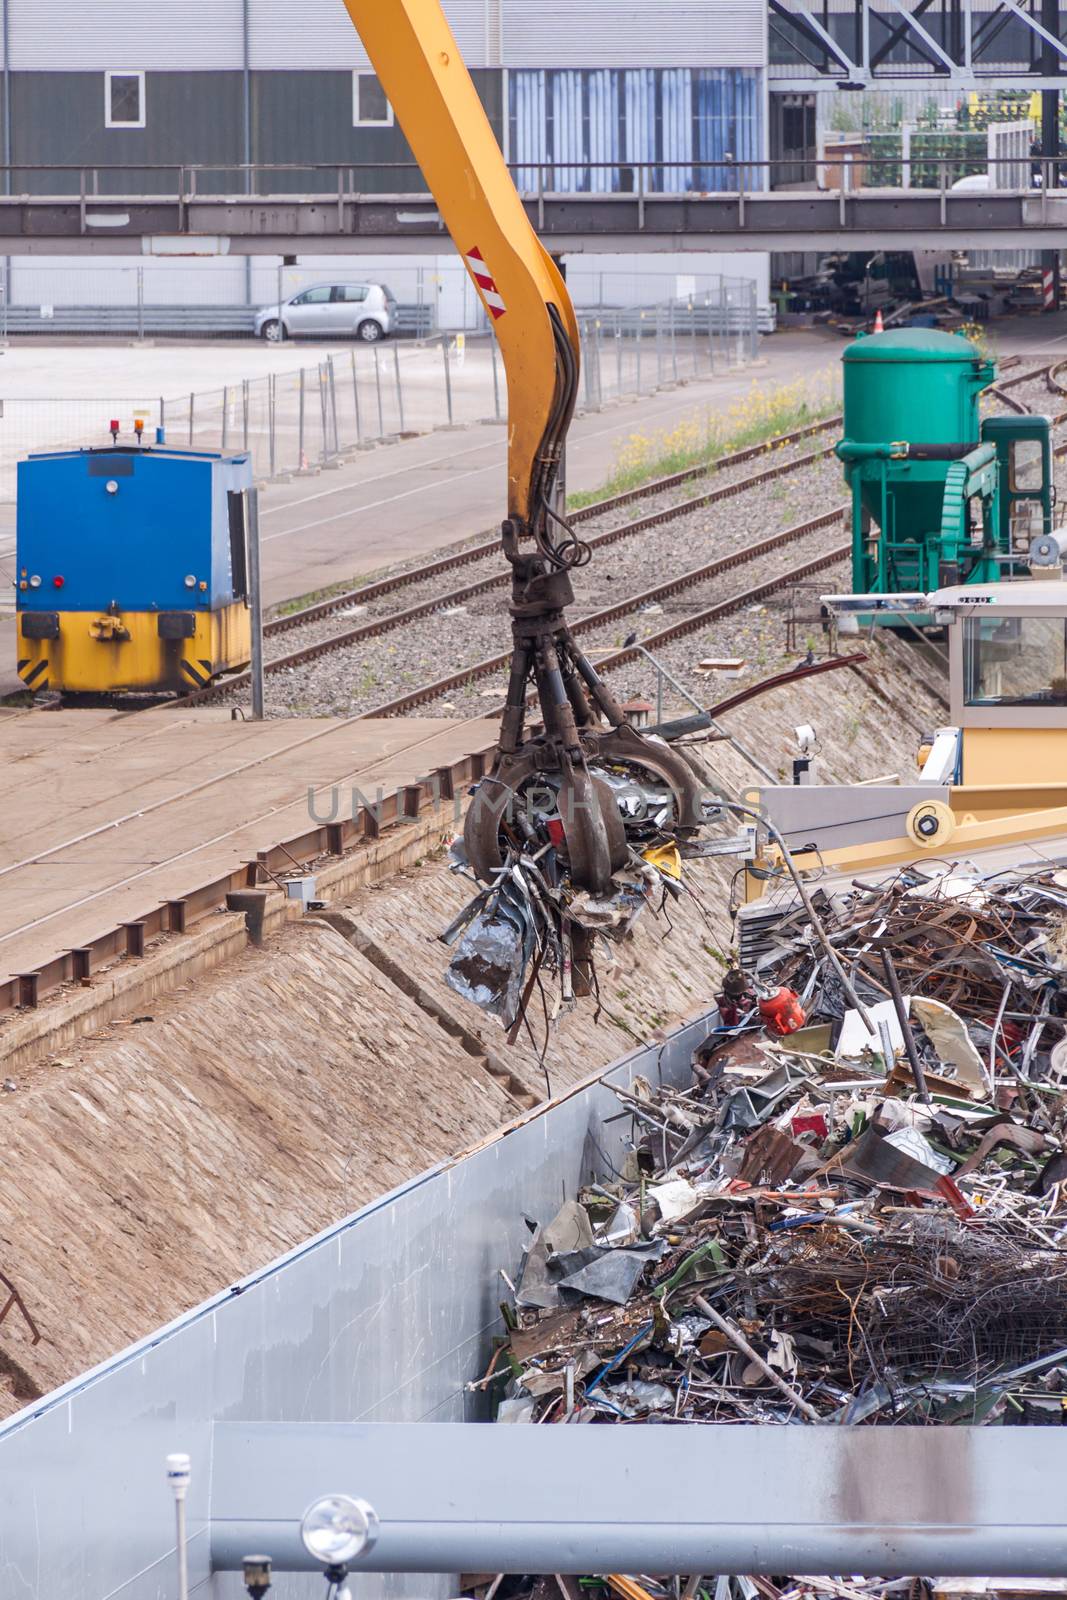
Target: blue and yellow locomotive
132	568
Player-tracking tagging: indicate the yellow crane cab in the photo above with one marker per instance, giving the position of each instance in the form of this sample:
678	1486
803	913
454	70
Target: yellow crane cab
1007	682
991	785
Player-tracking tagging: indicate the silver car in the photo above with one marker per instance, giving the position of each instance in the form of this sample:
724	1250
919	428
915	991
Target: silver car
325	310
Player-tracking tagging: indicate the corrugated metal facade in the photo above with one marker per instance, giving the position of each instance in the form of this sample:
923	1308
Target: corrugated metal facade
307	116
207	35
686	115
584	33
102	35
199	117
191	117
320	35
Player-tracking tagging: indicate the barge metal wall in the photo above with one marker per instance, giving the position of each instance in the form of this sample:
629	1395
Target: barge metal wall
384	1317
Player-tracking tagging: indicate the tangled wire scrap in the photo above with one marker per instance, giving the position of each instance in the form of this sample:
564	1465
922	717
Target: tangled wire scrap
840	1217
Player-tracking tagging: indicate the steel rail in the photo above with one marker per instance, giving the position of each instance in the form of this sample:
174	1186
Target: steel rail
398	619
1019	406
375	629
597	508
335	838
386	586
686	580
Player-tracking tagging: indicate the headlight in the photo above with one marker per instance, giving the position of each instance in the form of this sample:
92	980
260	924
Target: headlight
190	581
337	1529
35	581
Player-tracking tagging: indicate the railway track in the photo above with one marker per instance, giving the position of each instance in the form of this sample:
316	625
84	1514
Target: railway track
396	583
499	579
755	586
598	508
676	630
367	593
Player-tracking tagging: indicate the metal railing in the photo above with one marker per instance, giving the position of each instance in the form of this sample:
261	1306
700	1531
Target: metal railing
312	417
187	183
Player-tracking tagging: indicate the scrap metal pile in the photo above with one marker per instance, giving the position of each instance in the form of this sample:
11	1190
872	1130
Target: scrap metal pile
534	923
565	856
853	1211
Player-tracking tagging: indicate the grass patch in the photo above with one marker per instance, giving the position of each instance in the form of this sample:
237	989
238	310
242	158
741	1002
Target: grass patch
314	596
705	436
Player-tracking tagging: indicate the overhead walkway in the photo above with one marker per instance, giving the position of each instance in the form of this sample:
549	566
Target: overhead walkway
277	210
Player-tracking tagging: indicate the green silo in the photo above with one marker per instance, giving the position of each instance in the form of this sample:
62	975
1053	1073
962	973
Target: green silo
912	432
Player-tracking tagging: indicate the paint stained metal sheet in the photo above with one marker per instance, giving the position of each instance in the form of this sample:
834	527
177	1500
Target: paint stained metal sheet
727	121
528	141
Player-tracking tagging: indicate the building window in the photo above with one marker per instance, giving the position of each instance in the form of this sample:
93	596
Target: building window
124	100
370	108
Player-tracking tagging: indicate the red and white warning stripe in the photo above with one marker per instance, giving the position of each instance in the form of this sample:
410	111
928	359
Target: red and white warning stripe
494	303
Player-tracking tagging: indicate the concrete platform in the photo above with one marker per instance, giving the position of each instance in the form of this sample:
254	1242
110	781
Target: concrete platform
105	816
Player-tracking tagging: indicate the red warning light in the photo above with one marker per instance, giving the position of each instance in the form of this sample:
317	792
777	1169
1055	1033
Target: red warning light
58	583
113	429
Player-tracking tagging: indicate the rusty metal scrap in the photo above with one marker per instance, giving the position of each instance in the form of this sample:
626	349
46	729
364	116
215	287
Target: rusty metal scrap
859	1222
846	1234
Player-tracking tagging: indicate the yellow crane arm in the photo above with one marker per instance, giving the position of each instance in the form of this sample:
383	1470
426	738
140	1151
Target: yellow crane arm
420	68
418	64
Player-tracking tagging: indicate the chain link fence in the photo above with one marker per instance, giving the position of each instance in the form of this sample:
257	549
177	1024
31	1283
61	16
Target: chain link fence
315	416
219	298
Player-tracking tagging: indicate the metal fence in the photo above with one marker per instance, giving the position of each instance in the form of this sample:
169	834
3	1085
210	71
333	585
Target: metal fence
219	297
314	416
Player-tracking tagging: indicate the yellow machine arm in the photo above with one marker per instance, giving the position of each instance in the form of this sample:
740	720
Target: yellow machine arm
419	66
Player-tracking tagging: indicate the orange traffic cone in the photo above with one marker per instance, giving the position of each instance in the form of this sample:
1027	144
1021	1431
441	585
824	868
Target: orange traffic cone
879	325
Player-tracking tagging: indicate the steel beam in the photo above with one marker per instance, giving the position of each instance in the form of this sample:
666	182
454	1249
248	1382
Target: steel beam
898	34
767	220
911	21
1031	22
983	79
957	62
809	24
892	1501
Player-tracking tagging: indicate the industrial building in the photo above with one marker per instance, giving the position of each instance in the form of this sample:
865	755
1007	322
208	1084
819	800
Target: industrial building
234	82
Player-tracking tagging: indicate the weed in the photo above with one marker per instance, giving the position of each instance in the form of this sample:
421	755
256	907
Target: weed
704	436
330	592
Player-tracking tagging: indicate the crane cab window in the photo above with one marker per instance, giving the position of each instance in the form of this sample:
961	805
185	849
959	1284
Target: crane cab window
370	108
124	100
1027	467
1015	661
